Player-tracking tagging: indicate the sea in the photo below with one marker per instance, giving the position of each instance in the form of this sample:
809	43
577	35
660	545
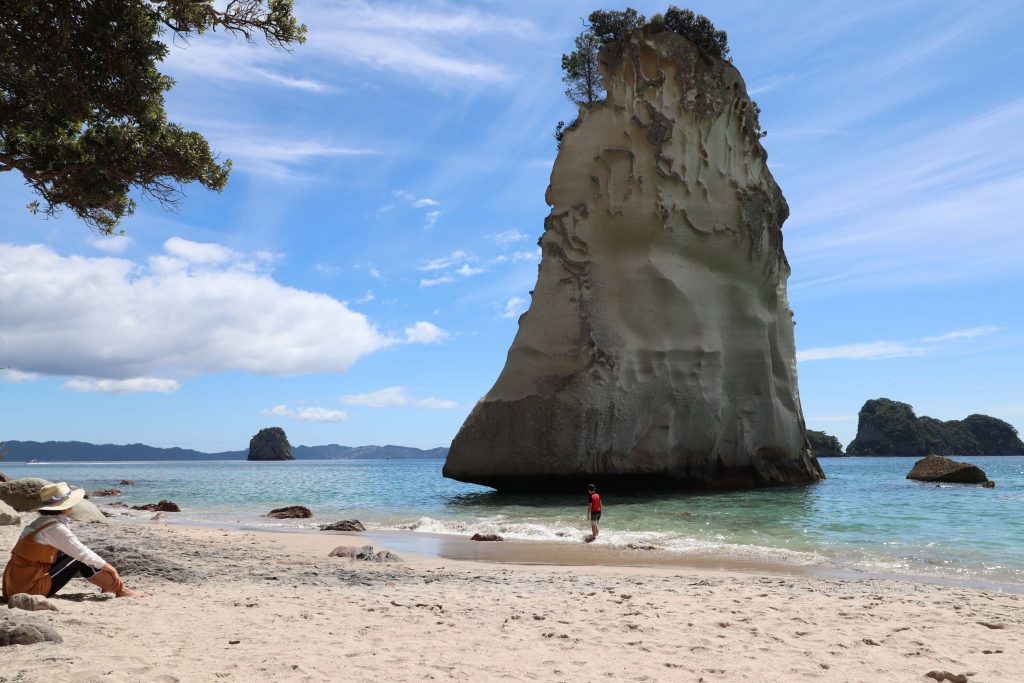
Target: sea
865	518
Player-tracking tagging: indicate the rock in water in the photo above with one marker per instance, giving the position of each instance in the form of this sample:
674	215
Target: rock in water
938	468
824	445
162	506
344	525
291	512
658	349
270	444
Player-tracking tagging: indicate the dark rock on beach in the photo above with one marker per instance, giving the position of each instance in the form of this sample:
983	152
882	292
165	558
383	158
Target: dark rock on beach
105	493
936	468
291	512
364	553
15	631
486	537
3	478
162	506
270	444
344	525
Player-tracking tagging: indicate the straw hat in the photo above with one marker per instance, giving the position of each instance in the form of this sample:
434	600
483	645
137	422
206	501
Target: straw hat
60	497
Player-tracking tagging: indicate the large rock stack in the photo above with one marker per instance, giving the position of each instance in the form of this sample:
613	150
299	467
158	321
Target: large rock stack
270	444
658	349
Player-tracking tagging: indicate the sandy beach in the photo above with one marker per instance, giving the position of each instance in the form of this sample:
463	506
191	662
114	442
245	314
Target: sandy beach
240	605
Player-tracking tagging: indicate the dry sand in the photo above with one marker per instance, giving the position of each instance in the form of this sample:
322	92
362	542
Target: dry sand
239	605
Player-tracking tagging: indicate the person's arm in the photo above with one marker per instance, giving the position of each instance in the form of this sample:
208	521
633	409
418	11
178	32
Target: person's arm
64	540
589	505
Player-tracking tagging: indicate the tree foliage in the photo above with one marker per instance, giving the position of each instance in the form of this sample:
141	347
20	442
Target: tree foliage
699	29
582	76
82	100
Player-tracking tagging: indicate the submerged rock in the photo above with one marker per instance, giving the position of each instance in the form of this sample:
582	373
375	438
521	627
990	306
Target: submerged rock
936	468
105	493
291	512
270	444
344	525
127	482
486	537
162	506
658	349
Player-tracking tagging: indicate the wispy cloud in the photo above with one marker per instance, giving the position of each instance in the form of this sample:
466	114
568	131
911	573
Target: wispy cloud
454	258
514	307
880	350
395	397
434	43
112	244
972	333
135	385
309	414
508	237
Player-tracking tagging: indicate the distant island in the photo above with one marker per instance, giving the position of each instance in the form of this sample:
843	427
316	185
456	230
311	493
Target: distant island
887	427
76	451
824	445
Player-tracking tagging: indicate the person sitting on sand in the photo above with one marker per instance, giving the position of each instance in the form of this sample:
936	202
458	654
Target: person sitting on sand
48	554
594	511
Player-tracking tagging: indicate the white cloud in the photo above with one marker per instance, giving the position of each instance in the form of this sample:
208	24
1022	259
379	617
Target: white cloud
199	252
527	255
870	351
443	262
366	298
972	333
327	268
514	306
395	397
426	201
111	244
433	282
508	237
469	271
424	333
431	219
135	385
310	414
115	319
12	376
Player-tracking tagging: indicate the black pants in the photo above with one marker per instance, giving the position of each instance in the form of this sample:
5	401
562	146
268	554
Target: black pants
65	568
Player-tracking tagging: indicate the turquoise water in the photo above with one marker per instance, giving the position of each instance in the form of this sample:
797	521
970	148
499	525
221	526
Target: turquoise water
866	516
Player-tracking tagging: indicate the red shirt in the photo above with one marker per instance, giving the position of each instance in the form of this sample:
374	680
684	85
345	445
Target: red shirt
595	502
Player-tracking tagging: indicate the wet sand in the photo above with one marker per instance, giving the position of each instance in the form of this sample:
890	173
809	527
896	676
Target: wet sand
243	605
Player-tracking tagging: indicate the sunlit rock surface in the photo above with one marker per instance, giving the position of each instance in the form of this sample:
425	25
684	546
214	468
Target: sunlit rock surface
658	349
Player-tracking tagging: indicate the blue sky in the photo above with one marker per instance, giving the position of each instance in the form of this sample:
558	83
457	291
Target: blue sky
360	278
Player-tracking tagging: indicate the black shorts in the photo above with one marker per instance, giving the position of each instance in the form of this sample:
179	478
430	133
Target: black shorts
64	569
595	517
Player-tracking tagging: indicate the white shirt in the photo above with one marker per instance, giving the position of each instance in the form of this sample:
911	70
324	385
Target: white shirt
61	537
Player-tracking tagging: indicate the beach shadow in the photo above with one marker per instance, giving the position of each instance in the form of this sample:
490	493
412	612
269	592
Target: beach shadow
83	597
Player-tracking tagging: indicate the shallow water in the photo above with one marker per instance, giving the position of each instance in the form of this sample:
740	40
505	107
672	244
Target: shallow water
866	516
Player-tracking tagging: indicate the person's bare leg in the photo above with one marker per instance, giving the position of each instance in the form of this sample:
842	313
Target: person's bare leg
110	581
593	529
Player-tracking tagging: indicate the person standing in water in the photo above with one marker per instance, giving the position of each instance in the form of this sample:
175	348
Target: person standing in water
593	512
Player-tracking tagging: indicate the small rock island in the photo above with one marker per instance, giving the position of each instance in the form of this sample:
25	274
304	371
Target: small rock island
887	427
824	445
270	444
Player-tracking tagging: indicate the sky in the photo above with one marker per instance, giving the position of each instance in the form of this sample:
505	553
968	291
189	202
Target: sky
359	281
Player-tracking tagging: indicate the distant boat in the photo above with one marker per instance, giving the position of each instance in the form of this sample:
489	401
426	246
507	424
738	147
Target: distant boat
33	461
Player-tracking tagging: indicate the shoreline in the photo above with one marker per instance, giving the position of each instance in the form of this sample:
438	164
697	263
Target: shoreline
540	553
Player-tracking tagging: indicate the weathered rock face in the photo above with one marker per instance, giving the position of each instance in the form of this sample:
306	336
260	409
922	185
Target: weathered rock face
270	444
940	469
824	445
658	349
